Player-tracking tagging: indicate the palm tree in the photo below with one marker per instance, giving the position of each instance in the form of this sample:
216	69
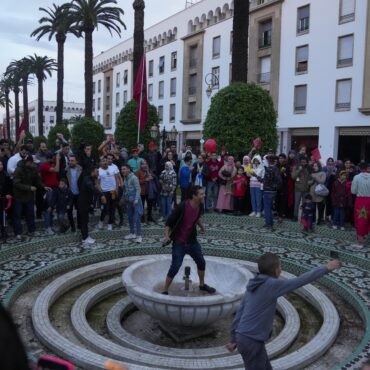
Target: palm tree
88	15
139	6
22	67
5	87
41	67
15	82
240	41
58	22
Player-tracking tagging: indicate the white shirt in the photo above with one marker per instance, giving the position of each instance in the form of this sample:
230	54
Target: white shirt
107	178
12	164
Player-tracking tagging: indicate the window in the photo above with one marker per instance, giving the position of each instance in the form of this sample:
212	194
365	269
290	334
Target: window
150	72
99	86
117	115
160	113
161	65
193	84
343	96
125	97
345	51
174	61
303	25
216	47
172	112
99	103
94	85
300	98
107	84
265	70
193	53
347	11
118	79
98	119
216	77
266	34
125	77
107	120
173	87
150	92
51	119
93	105
117	99
191	110
107	105
301	59
161	89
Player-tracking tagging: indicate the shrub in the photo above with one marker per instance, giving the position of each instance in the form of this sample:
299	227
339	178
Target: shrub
57	129
240	113
126	126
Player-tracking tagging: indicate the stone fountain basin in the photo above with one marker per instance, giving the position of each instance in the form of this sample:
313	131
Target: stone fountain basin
144	283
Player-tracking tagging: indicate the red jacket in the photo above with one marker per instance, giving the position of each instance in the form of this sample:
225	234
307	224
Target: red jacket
240	185
213	169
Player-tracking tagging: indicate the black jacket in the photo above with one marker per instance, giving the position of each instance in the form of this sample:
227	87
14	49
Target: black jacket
174	222
87	191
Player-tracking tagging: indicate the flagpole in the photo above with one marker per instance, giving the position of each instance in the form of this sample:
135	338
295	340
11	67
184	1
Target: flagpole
141	99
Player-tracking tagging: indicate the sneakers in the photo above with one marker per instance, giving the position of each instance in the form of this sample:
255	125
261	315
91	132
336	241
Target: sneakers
99	225
88	240
161	219
334	227
49	231
109	227
130	236
18	238
253	214
343	228
258	214
139	239
207	288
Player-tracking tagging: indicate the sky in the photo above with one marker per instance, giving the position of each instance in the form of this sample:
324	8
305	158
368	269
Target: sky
18	18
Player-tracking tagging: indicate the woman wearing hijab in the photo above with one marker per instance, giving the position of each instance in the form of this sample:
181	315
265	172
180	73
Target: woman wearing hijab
226	175
168	181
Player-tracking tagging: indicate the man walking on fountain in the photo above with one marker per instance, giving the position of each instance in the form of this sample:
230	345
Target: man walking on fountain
252	324
181	228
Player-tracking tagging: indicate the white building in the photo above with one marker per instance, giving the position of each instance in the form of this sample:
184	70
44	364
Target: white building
312	55
70	109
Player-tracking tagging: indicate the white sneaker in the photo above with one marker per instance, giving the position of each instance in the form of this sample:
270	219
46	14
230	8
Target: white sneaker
18	237
49	231
161	219
88	240
335	227
99	225
130	236
139	239
343	228
109	227
252	214
258	214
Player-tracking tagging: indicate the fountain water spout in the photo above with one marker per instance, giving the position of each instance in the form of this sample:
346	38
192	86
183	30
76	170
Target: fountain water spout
187	277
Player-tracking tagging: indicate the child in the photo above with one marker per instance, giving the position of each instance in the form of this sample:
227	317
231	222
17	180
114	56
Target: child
308	209
339	200
240	187
63	200
252	324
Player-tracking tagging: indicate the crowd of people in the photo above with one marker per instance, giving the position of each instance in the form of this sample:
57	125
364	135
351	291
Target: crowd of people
66	187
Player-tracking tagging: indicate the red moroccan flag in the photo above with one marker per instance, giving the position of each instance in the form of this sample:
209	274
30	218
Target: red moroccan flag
316	155
140	95
21	128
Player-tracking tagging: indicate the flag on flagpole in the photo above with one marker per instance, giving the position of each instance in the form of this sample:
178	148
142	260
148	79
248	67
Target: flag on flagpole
140	95
21	128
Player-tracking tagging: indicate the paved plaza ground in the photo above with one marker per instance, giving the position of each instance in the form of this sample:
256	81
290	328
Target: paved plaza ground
25	268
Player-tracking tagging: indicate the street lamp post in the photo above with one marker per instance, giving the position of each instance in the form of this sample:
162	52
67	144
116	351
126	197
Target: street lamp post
211	81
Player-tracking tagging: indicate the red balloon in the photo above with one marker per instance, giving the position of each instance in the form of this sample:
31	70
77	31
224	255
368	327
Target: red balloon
210	146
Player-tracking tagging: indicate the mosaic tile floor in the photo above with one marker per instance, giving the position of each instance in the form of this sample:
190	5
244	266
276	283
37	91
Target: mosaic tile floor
229	236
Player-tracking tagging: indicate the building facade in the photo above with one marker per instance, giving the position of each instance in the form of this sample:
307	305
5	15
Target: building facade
312	56
70	110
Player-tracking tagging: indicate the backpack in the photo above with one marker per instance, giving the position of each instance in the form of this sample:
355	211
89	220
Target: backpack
271	180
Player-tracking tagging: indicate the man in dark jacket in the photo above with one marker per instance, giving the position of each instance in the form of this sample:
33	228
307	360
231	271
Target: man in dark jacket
181	228
252	324
26	181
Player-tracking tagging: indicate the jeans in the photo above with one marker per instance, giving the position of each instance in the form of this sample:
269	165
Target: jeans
166	205
256	199
134	218
212	194
298	196
17	216
179	250
48	210
338	216
268	202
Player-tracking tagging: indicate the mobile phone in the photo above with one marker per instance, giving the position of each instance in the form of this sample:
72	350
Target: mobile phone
334	255
52	363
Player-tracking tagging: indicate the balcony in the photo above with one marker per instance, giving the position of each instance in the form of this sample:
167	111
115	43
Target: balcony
343	106
265	40
300	109
264	78
303	25
345	62
302	67
192	90
347	17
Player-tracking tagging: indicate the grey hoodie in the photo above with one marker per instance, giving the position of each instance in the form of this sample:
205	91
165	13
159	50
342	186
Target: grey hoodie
256	313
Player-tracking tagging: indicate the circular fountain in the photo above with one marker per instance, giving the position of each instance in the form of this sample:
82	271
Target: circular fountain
186	305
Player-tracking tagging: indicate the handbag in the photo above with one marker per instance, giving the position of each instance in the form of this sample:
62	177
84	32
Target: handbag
321	190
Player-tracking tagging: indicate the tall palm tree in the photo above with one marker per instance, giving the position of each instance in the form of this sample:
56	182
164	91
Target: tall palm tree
23	68
57	22
41	67
240	41
15	81
5	87
139	6
88	15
